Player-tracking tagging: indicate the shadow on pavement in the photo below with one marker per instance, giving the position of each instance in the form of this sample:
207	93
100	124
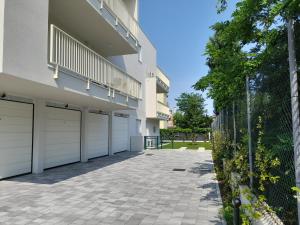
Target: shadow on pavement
62	173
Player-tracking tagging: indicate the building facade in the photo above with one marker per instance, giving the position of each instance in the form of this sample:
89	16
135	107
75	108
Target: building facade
74	83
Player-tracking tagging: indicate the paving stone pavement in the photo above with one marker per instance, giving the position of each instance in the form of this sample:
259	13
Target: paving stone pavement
125	189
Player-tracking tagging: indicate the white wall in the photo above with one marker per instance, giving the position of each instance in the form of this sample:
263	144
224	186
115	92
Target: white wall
133	6
2	6
25	56
140	71
26	39
163	124
151	99
152	127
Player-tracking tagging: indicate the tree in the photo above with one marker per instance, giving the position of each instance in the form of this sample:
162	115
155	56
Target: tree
254	44
179	119
255	26
191	112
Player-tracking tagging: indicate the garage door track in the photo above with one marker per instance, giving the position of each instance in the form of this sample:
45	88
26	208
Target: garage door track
154	187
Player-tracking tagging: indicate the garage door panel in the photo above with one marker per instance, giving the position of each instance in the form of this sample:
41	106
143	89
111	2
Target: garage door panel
14	169
62	155
10	140
15	121
97	135
10	146
61	161
120	134
16	138
12	109
64	125
13	159
62	137
21	128
60	114
62	148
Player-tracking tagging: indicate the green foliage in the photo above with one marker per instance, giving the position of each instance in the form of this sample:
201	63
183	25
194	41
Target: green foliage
265	161
253	43
191	112
241	160
243	45
170	134
179	119
227	213
189	145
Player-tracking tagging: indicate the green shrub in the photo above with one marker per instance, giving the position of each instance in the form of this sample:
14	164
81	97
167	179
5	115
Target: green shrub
227	213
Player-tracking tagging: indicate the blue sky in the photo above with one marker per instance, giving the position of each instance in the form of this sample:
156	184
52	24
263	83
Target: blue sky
180	30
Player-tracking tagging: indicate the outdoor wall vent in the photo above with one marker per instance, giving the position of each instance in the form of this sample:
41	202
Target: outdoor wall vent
179	169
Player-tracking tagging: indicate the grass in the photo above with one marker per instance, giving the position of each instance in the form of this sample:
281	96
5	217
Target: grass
189	145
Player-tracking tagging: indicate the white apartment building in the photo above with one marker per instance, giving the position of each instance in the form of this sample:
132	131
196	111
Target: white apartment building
78	80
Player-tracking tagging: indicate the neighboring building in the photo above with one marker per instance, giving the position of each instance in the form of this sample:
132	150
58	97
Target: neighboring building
171	123
157	108
162	99
74	78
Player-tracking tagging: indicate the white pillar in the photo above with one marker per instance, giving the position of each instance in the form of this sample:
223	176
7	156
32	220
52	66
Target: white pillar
39	136
83	134
110	118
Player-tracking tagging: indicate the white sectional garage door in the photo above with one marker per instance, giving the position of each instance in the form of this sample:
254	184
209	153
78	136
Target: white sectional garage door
120	137
97	135
15	138
62	137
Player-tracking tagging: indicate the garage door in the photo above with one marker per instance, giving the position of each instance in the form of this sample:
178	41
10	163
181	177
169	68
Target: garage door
15	138
62	137
97	135
120	137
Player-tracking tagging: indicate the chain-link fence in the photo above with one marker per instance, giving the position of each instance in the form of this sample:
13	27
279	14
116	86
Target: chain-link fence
268	101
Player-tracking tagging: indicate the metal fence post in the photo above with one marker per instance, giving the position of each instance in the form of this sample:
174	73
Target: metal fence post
234	127
249	133
295	105
236	211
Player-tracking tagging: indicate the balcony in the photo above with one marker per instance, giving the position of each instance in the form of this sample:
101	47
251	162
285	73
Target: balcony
163	111
157	88
69	54
120	10
162	82
104	25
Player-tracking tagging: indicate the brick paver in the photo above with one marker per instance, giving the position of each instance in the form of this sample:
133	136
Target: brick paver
125	189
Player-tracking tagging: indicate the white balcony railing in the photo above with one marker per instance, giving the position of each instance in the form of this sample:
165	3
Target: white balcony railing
162	108
120	9
69	53
162	97
117	14
162	77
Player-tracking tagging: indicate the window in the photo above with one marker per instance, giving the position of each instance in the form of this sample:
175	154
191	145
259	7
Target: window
140	54
154	129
